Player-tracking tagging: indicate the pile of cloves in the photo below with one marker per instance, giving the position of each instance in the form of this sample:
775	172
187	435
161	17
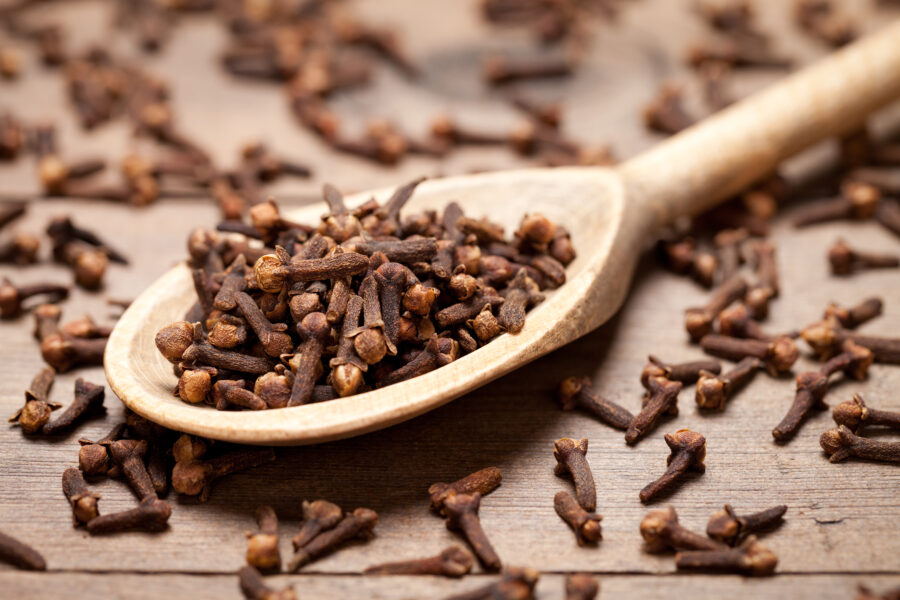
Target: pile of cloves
376	297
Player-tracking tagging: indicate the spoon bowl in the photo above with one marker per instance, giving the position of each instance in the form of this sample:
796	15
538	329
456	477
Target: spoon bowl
611	214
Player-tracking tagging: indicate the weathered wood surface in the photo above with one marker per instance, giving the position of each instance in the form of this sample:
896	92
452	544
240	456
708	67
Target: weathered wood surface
841	525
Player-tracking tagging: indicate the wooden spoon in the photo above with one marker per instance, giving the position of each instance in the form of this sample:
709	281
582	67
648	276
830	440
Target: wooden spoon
612	214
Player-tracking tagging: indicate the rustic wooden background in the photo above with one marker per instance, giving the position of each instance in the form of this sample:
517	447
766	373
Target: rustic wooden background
842	525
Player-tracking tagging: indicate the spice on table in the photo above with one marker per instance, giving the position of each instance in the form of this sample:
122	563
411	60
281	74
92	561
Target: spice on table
83	501
65	353
777	355
575	391
581	586
453	561
750	558
195	477
571	460
93	457
688	452
254	588
586	525
358	524
698	321
262	547
662	531
20	555
88	402
515	582
12	296
36	412
661	398
728	527
151	515
855	414
462	515
318	516
841	443
686	372
482	482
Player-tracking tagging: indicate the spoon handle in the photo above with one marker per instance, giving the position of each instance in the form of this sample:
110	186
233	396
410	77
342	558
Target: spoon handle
723	154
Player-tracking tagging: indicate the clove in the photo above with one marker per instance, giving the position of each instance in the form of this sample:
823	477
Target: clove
262	547
36	412
586	525
254	588
855	415
318	516
451	562
151	515
358	524
777	355
481	482
688	451
729	528
846	260
661	398
88	400
571	460
699	321
841	443
714	391
581	586
20	555
687	372
750	558
194	478
83	501
12	297
129	456
574	392
662	531
462	515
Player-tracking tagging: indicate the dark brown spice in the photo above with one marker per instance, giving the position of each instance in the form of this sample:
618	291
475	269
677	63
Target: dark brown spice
666	114
83	501
845	260
151	515
462	515
751	558
516	583
129	456
66	353
811	388
853	317
481	482
318	516
826	338
193	478
571	460
575	391
661	398
254	588
581	586
358	524
858	201
499	69
262	547
36	412
778	355
855	414
841	443
20	555
12	297
88	401
714	391
729	528
586	525
93	457
662	531
687	372
688	452
699	321
451	562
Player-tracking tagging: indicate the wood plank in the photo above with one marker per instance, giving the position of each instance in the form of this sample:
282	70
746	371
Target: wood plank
837	513
137	586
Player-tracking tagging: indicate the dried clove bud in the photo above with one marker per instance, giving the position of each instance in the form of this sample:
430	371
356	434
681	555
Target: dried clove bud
451	562
20	555
88	401
662	531
661	398
728	528
36	413
254	588
846	260
193	478
577	392
778	355
480	482
65	353
855	415
83	501
462	515
699	321
853	317
688	452
516	583
581	586
841	443
750	558
262	547
318	516
571	460
687	372
93	457
714	391
358	524
811	388
151	515
586	525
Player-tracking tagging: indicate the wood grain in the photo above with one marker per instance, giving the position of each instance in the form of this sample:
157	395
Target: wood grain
839	528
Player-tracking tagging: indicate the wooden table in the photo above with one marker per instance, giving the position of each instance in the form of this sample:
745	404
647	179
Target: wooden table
842	524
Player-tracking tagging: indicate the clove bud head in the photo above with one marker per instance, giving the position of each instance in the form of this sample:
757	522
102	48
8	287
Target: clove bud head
172	340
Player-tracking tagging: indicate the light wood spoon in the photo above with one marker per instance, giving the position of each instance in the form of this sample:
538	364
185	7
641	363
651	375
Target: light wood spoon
612	215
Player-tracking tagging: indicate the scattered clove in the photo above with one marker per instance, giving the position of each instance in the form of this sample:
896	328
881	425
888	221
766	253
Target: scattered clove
687	372
688	451
581	586
151	515
262	547
661	398
586	525
662	531
571	460
855	415
83	501
358	524
841	443
481	482
714	390
577	392
462	515
88	401
750	558
451	562
20	555
777	355
699	321
254	588
196	477
845	260
729	528
36	413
